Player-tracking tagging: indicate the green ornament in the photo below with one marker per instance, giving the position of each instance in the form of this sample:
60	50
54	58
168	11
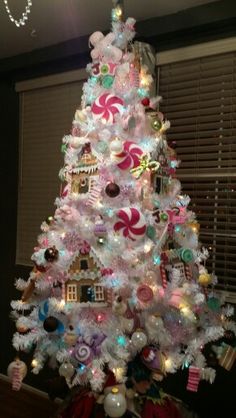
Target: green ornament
104	69
151	232
164	217
186	255
156	124
107	81
49	220
101	146
63	148
214	304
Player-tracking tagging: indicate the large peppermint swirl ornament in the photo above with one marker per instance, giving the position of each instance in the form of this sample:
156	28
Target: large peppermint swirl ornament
129	157
83	353
131	222
106	106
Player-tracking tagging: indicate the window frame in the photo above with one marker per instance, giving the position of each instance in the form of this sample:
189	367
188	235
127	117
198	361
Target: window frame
206	49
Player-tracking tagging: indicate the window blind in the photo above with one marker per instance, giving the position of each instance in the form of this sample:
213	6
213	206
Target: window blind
199	99
46	116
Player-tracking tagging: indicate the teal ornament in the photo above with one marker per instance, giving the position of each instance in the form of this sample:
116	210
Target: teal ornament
101	146
142	92
63	148
156	259
107	81
156	203
186	255
121	340
151	232
214	304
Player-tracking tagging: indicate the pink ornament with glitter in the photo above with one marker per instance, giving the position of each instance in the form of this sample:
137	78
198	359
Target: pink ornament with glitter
144	293
131	222
84	248
106	106
176	298
130	156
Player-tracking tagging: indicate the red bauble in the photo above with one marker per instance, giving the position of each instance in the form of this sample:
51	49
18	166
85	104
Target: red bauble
51	254
112	190
146	101
50	324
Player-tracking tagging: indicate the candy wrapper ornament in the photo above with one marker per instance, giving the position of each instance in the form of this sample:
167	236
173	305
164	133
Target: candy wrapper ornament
227	358
17	370
193	379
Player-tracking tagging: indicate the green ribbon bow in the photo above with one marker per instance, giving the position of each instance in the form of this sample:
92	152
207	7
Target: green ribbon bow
145	165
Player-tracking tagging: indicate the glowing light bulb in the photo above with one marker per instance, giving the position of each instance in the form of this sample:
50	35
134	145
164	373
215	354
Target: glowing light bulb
34	363
119	373
168	363
61	304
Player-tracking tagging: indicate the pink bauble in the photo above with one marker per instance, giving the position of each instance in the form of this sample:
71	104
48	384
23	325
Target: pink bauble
131	222
144	293
130	156
106	106
176	298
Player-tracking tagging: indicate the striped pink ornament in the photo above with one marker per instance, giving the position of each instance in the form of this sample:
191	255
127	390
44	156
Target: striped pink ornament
193	379
131	222
106	106
130	156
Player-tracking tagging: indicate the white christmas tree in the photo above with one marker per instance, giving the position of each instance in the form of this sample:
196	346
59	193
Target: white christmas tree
118	270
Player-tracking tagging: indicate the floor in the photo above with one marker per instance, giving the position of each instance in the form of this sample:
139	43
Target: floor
23	404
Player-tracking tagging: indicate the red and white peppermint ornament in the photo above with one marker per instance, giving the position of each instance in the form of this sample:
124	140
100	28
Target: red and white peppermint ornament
130	156
106	106
131	222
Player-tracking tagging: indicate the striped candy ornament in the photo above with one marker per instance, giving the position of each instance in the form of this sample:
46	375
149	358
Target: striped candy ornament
188	272
95	193
163	275
16	377
193	379
16	371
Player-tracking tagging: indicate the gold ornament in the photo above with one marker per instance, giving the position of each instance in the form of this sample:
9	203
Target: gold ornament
195	226
204	279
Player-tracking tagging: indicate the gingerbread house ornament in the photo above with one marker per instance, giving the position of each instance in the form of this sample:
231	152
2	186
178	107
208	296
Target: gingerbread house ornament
83	285
85	174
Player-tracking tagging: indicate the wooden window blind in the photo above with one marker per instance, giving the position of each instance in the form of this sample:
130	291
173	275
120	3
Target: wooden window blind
199	99
46	115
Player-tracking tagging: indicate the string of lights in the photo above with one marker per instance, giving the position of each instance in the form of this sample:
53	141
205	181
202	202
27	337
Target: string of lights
24	16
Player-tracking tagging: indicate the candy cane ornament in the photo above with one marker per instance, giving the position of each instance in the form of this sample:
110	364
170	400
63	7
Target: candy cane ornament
131	222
